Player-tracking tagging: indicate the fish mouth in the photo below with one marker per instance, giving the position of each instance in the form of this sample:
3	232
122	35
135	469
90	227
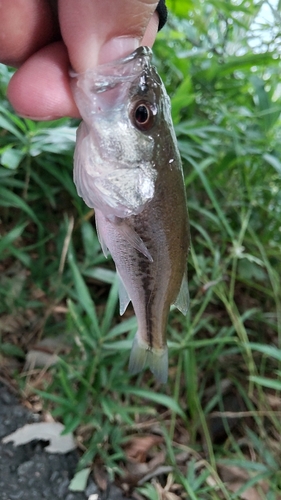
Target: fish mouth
142	57
141	52
107	77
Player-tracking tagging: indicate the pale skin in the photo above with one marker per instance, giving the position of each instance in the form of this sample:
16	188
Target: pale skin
44	38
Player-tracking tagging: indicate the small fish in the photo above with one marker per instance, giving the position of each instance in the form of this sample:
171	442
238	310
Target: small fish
128	168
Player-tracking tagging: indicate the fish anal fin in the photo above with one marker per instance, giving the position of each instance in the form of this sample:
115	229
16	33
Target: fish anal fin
130	235
157	360
124	298
99	233
182	300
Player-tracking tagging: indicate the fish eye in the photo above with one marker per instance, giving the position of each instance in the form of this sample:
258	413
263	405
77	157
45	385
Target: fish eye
143	115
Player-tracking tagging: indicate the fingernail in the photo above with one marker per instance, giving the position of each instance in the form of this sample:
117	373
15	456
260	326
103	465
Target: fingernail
116	48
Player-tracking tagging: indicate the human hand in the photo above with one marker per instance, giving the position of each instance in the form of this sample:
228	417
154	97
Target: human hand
44	39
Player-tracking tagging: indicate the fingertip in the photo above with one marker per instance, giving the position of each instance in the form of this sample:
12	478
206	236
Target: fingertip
96	32
122	45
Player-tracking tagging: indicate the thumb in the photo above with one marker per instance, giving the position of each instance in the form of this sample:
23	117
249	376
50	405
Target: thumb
96	31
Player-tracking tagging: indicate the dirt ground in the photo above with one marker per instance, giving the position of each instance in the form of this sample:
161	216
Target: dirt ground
28	472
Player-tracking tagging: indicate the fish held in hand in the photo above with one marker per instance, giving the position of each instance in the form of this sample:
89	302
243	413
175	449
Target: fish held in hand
128	168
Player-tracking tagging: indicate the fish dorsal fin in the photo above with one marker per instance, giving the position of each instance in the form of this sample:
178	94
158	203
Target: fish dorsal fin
130	235
182	300
124	298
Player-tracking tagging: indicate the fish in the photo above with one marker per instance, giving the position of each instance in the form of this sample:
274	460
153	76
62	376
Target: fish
127	167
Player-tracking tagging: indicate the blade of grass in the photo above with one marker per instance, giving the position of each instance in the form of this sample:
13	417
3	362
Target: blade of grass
85	299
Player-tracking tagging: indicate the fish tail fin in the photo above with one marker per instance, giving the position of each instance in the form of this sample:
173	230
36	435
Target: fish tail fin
138	356
158	364
157	360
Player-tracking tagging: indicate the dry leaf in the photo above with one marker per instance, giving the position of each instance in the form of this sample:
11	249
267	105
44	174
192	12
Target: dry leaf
139	463
236	477
100	476
273	401
39	359
43	431
138	447
166	493
136	472
45	353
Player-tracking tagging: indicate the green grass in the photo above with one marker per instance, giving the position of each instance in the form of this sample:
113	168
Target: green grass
221	407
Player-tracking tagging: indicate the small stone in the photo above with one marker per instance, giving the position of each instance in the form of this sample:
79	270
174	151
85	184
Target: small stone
55	475
115	493
62	488
6	398
15	496
25	468
91	489
47	493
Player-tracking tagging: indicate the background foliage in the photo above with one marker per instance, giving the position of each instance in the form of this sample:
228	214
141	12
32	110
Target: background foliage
219	415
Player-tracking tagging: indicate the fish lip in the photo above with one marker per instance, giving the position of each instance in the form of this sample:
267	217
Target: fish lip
141	51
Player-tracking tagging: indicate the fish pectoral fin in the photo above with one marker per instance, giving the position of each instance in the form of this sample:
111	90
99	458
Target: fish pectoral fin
124	298
157	360
130	235
182	300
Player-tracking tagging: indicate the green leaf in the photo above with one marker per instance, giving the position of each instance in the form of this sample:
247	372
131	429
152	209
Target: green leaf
11	157
80	479
157	398
11	350
55	140
7	125
182	98
9	238
110	307
267	382
209	190
100	273
84	296
267	350
123	327
10	199
180	7
273	161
